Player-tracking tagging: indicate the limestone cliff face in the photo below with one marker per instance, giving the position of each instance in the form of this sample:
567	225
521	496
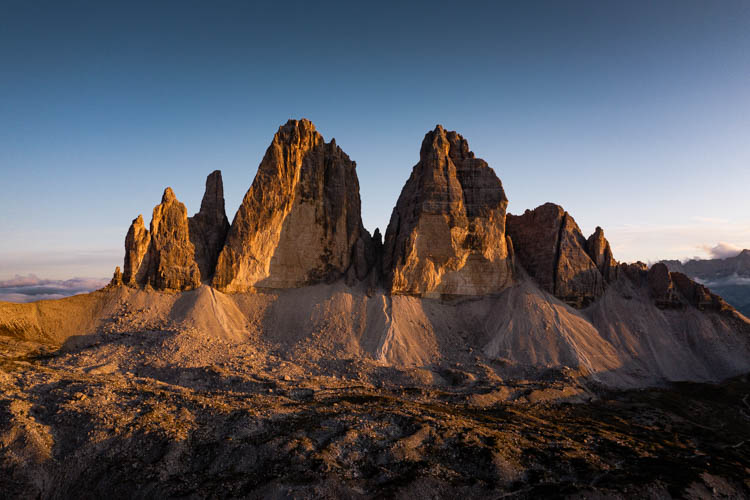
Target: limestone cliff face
550	246
446	235
209	227
300	221
135	267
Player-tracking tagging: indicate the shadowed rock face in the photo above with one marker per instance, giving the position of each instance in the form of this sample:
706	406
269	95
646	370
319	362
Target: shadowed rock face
662	289
300	221
697	294
729	277
673	290
447	232
550	246
600	252
209	227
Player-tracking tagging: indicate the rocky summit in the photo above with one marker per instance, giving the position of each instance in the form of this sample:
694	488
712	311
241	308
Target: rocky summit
300	221
446	235
550	246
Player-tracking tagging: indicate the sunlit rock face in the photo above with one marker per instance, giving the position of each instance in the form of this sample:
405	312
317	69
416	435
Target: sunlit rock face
164	257
550	246
172	263
300	221
137	240
446	235
209	227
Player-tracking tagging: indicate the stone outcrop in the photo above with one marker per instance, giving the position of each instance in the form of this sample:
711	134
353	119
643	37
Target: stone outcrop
116	279
662	289
673	290
300	221
136	265
172	263
729	277
446	235
697	294
208	228
550	246
636	272
164	257
601	253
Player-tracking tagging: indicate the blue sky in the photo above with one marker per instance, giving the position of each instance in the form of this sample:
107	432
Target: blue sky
634	116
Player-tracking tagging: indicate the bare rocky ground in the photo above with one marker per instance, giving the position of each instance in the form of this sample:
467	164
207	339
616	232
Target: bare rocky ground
171	413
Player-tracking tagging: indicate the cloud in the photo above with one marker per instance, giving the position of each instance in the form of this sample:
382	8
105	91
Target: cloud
31	288
711	220
734	279
722	250
694	238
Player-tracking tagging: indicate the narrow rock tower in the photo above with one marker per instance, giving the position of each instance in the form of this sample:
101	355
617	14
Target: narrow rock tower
209	227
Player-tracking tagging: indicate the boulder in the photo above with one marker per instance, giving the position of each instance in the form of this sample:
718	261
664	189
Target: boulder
446	235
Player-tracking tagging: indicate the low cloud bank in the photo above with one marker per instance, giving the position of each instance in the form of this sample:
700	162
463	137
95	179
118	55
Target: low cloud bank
722	250
733	280
31	288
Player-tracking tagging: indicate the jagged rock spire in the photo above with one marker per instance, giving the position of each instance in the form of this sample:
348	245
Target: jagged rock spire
164	256
209	227
172	256
135	267
600	252
447	232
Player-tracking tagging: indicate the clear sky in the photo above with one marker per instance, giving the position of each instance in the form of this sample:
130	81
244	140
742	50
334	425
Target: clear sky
634	116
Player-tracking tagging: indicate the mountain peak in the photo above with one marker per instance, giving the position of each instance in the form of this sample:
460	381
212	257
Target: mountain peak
300	220
209	227
440	142
168	196
447	232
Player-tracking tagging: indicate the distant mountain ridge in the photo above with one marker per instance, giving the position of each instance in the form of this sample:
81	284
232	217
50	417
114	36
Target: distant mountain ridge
728	277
